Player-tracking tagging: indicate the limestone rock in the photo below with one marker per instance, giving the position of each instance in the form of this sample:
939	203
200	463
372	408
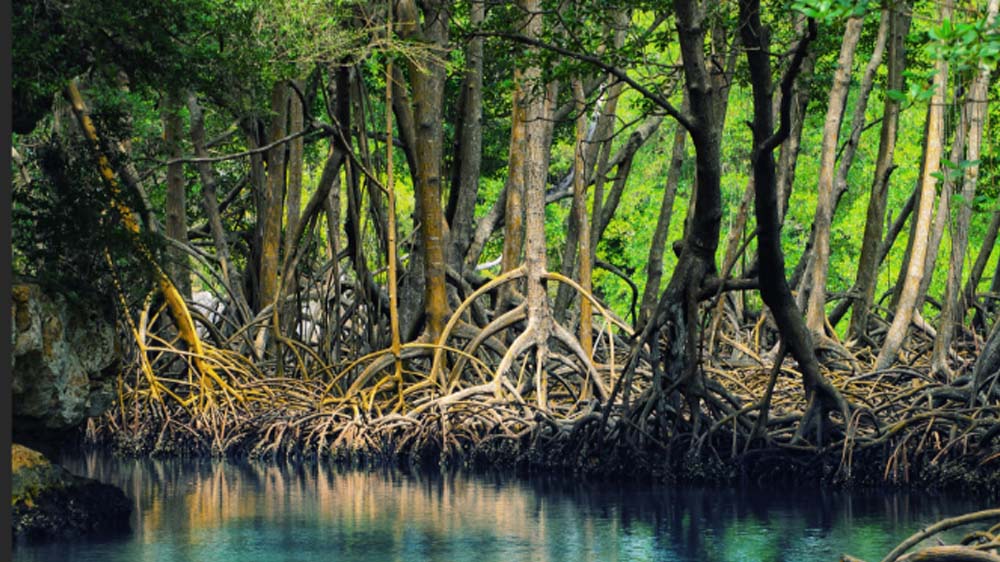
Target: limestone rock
62	361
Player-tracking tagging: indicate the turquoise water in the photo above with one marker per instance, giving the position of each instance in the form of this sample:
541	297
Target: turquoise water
225	512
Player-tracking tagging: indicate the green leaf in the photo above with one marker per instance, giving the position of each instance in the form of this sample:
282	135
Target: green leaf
896	95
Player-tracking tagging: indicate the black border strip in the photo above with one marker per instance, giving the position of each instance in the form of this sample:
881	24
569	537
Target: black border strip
6	71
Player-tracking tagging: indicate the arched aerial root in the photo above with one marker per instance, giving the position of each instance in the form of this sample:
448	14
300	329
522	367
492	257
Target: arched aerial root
977	546
472	396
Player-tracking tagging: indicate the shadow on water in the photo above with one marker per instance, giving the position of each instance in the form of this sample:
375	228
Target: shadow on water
201	510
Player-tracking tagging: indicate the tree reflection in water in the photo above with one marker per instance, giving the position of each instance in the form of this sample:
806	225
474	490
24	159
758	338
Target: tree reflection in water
224	511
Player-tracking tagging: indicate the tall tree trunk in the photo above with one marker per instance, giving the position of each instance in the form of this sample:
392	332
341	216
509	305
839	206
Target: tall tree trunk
837	102
210	202
599	149
293	196
174	300
251	129
176	201
293	206
654	264
857	126
469	144
270	214
861	106
975	108
603	137
868	262
677	311
412	286
513	227
342	112
943	215
774	290
538	116
537	105
915	271
579	212
788	160
428	108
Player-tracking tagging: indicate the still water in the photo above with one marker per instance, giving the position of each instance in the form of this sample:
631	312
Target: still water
226	512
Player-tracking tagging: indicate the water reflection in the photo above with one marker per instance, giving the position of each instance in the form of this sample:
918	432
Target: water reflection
212	511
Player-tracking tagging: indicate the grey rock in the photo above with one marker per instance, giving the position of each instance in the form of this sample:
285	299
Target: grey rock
62	361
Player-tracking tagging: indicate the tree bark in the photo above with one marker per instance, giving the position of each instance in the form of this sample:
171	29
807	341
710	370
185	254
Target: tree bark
579	212
836	104
293	196
676	318
176	201
270	214
654	263
513	228
943	215
788	160
869	260
975	108
976	275
774	290
915	272
469	144
210	202
428	99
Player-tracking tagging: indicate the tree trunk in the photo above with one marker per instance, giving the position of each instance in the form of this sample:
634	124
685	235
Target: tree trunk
270	214
603	138
677	312
579	212
788	160
176	201
868	262
293	197
976	275
251	128
513	228
820	255
943	215
988	362
915	272
857	126
774	290
654	264
428	100
975	109
469	144
210	202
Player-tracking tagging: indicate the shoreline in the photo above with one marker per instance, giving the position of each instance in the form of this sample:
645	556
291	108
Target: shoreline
758	468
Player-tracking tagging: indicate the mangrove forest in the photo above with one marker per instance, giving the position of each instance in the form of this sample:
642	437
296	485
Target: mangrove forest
723	243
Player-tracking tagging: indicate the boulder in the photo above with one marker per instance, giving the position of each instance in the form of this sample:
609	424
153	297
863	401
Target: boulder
63	363
48	502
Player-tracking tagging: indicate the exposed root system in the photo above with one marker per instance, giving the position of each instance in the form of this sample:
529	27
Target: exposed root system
471	398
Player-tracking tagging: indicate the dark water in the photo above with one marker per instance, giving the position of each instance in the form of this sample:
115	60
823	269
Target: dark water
222	512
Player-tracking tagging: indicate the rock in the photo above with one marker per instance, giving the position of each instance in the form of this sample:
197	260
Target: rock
62	365
48	502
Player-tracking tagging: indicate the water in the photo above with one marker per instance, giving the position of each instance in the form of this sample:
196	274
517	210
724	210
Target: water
226	512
